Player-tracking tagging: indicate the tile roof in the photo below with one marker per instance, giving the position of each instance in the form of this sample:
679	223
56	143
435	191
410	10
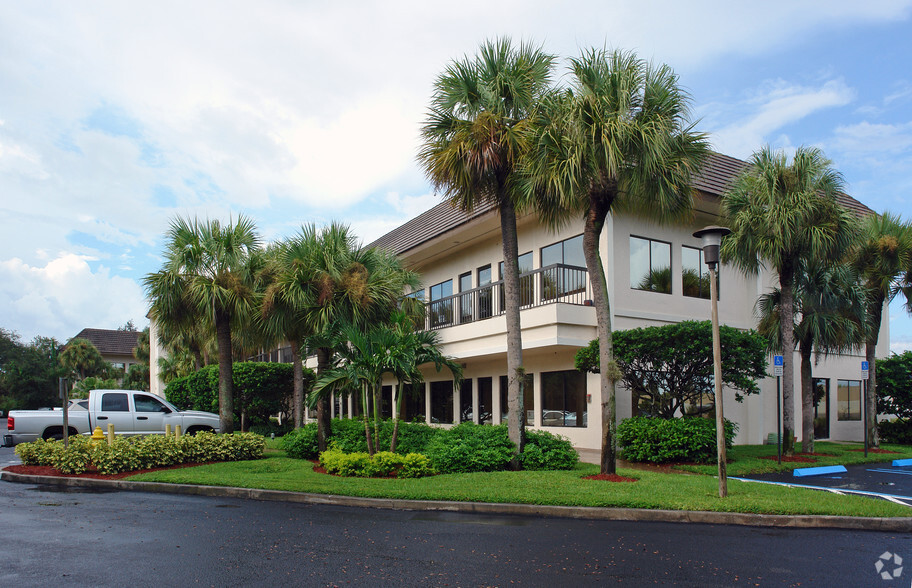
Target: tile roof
714	178
110	342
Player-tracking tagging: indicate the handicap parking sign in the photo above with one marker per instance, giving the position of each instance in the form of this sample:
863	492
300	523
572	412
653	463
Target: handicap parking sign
777	365
864	369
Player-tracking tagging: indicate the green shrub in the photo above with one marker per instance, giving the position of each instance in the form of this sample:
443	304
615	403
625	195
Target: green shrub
140	453
383	463
468	447
662	440
895	431
546	451
302	443
260	389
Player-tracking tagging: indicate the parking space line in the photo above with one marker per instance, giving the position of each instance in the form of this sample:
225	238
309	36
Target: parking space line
898	499
900	472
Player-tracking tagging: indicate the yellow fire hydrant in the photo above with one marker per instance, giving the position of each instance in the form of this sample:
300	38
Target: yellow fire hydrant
98	435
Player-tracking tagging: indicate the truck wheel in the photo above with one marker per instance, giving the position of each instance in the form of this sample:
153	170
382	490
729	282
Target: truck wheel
57	433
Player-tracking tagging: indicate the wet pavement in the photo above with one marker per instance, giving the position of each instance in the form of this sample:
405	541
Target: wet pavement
877	480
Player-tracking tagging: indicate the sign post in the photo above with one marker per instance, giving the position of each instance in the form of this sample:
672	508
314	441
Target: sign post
777	371
865	371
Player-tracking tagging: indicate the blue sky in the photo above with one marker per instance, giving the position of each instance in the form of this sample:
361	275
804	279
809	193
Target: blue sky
116	116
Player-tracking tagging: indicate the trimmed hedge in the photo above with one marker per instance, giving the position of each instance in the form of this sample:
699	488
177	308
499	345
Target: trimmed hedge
688	439
260	389
546	451
383	463
348	436
140	452
895	431
468	447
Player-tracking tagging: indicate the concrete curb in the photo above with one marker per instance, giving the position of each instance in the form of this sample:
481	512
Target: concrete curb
893	524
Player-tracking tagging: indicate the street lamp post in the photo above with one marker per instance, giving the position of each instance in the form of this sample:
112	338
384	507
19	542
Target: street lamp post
712	239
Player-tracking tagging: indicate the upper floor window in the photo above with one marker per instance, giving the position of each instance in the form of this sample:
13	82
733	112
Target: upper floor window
694	274
440	311
650	265
526	287
568	252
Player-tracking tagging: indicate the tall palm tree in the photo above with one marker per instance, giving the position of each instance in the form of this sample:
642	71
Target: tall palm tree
473	140
780	213
337	282
208	276
883	258
283	313
618	139
81	359
829	318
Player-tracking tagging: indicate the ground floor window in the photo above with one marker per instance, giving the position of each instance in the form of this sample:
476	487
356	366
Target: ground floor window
465	401
848	400
442	402
414	405
564	399
821	387
528	397
386	402
485	400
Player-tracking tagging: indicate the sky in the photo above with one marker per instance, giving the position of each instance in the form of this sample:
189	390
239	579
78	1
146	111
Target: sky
115	117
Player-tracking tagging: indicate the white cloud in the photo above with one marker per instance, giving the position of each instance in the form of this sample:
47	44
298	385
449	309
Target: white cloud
873	138
771	107
66	295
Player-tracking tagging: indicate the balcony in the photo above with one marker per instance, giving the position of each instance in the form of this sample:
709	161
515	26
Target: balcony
549	285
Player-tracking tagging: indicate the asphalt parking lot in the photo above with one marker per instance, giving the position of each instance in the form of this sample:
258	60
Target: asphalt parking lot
877	480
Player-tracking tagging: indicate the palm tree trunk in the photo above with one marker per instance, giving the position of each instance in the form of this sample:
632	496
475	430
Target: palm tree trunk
377	390
397	407
226	376
324	427
367	432
298	401
595	222
515	371
787	330
874	319
807	399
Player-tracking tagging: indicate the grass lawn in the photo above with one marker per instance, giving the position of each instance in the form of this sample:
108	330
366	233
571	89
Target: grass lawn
748	459
652	490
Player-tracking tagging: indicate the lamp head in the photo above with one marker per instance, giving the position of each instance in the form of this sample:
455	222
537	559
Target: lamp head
712	239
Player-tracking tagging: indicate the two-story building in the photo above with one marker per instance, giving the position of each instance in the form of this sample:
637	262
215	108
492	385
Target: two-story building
650	271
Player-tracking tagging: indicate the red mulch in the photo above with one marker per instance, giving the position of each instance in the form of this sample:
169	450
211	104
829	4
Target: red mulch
875	450
90	473
610	478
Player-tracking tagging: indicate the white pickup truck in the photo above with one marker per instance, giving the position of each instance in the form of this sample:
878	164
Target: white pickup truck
130	411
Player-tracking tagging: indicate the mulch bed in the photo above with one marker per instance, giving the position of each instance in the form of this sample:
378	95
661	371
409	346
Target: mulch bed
91	472
875	450
610	478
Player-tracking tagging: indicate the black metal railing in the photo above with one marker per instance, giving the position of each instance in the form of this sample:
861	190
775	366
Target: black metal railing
551	284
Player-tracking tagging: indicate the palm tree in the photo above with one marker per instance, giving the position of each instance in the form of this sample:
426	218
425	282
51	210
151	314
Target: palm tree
337	283
473	140
780	213
81	359
412	349
283	313
883	258
830	318
617	139
207	276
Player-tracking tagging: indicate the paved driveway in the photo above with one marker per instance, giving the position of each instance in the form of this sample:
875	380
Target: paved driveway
878	480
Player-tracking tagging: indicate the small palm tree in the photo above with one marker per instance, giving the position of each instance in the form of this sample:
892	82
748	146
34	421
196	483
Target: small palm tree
474	138
208	277
781	213
883	258
830	318
618	139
